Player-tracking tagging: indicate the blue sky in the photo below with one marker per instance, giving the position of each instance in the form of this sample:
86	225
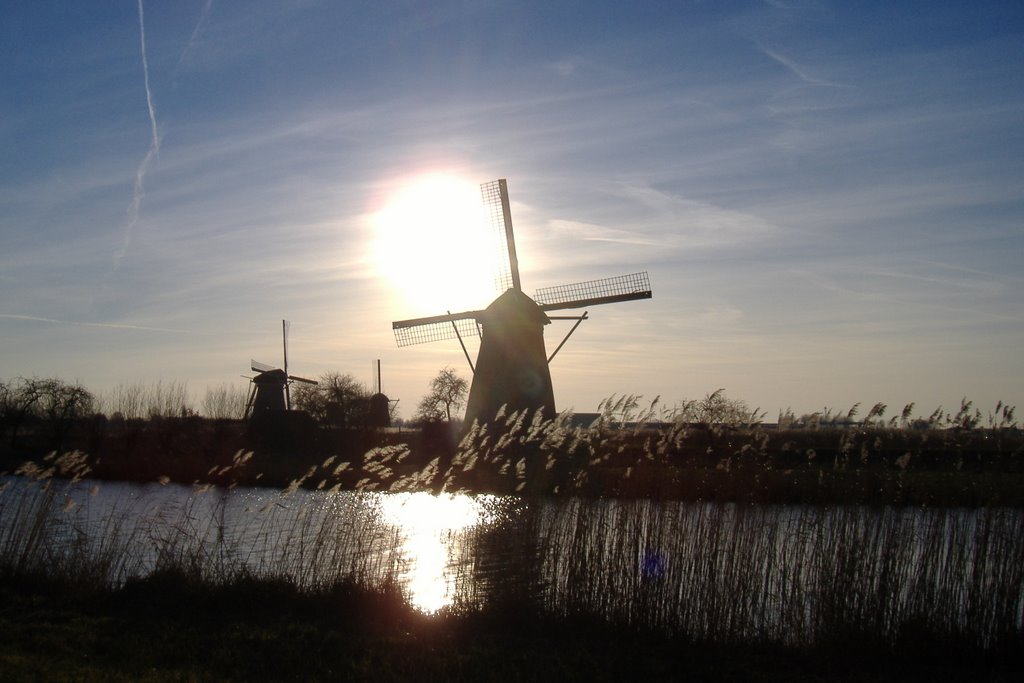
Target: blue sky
827	196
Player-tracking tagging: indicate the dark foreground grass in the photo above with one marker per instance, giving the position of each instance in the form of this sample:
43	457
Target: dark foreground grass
170	627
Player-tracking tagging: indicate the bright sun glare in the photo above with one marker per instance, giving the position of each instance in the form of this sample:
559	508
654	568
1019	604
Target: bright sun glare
433	245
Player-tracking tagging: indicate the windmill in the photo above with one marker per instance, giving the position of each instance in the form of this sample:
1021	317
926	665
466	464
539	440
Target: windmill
512	363
270	386
379	414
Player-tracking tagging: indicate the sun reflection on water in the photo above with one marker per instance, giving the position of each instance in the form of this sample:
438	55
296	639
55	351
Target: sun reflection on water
431	529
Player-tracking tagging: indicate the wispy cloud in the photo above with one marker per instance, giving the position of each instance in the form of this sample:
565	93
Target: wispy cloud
196	31
968	284
789	5
798	70
963	270
565	67
696	223
139	189
77	323
589	232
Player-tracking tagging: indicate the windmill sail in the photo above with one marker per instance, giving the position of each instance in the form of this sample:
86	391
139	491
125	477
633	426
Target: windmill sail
499	213
608	290
436	328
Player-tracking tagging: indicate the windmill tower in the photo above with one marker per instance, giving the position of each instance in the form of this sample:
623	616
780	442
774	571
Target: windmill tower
379	413
270	387
512	364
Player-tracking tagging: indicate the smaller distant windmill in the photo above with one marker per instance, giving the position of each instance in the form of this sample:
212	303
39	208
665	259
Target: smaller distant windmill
380	405
270	386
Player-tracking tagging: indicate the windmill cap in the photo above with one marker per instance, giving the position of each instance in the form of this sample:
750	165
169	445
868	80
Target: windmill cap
275	376
512	308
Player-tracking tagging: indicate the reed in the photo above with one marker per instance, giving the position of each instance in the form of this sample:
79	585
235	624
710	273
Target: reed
55	526
799	576
718	449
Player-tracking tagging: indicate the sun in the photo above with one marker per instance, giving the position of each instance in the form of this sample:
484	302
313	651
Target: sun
433	245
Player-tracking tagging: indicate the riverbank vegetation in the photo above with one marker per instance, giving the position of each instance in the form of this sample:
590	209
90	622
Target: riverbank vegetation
711	449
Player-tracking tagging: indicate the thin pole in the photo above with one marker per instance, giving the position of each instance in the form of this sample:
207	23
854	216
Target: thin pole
459	336
287	393
581	319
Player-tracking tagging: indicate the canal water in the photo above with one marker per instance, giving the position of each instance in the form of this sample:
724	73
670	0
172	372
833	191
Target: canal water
775	573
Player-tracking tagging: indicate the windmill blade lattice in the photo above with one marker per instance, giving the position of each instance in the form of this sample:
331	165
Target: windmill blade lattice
261	367
607	290
437	328
499	213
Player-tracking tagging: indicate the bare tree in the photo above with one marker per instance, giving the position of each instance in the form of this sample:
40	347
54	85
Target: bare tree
61	405
169	400
224	402
125	400
338	399
157	399
20	399
447	394
51	403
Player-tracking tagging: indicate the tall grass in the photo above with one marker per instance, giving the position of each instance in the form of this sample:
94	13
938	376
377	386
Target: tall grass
770	574
36	538
61	529
717	449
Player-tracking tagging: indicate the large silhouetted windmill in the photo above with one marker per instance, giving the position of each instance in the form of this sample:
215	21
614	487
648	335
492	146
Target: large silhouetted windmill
270	386
512	364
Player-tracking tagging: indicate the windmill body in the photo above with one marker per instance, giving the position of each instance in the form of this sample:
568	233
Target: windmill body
269	391
512	365
512	368
379	413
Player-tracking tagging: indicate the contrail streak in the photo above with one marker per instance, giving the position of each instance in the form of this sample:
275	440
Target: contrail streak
195	32
115	326
139	189
796	69
145	76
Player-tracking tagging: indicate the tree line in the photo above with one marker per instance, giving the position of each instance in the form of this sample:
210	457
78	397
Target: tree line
53	405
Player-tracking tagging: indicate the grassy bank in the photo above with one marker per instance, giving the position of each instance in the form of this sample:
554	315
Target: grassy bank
171	627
